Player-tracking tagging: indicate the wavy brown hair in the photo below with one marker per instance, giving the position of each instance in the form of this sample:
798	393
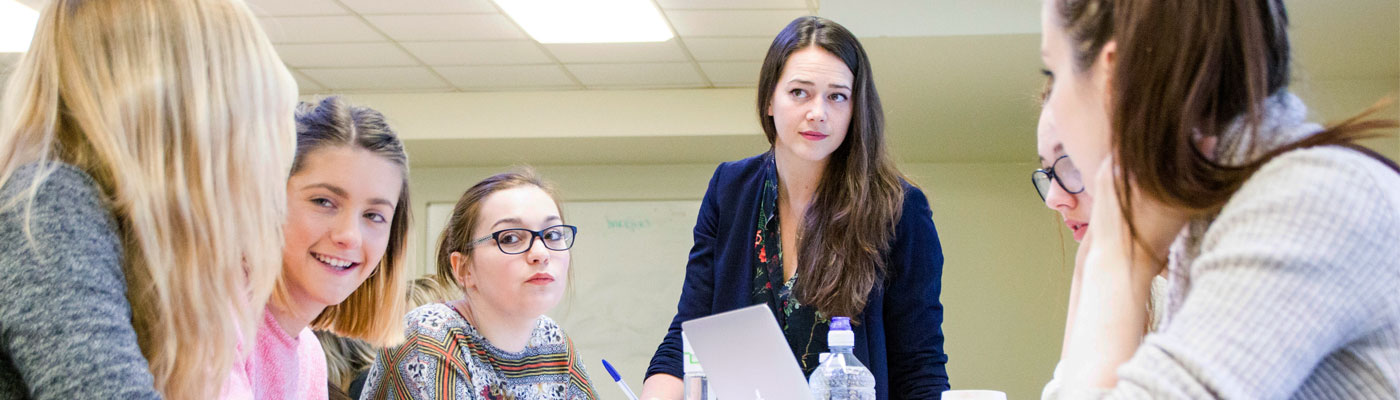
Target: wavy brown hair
1188	69
847	230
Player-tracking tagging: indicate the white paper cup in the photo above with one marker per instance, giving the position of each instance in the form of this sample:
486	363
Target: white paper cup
973	395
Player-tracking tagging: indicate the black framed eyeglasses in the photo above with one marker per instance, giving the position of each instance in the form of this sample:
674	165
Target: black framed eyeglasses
520	240
1063	172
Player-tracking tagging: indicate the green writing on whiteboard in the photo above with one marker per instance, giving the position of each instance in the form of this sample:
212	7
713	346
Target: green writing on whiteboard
630	224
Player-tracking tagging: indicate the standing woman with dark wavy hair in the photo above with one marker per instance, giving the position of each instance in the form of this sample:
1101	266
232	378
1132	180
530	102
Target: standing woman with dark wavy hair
1279	236
821	225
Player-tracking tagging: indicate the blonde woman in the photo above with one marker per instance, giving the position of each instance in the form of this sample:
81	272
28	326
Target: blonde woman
342	262
127	152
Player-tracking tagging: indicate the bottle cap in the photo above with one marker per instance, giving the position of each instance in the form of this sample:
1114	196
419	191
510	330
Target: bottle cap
840	334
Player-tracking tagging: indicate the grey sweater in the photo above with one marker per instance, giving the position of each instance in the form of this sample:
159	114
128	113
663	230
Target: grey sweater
1291	291
65	324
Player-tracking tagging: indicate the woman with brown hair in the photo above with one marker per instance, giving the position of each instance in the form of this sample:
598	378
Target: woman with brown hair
342	260
821	225
506	249
1278	235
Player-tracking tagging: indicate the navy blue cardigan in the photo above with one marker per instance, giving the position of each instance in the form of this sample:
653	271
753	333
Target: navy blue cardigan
900	337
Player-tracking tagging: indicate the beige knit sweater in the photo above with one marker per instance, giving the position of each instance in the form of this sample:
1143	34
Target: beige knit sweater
1291	291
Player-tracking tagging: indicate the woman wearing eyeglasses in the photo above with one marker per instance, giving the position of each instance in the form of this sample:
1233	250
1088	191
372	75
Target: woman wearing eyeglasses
1061	186
506	247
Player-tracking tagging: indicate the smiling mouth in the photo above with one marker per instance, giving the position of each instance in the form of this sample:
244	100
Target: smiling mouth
335	263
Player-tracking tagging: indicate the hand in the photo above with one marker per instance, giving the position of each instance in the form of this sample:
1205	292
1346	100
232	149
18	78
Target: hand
1157	226
1113	275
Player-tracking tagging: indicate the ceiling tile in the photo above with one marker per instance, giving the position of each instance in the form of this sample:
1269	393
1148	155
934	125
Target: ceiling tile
284	8
388	78
728	49
319	30
732	73
370	7
306	85
507	77
409	28
344	55
894	18
732	4
762	23
478	52
667	51
636	75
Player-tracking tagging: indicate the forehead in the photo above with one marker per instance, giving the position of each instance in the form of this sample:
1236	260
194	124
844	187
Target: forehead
1050	27
361	173
817	65
1047	137
530	204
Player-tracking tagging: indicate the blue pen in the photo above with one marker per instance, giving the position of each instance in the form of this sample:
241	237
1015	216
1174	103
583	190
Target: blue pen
618	378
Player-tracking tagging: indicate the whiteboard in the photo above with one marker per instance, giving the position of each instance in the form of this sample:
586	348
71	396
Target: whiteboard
628	266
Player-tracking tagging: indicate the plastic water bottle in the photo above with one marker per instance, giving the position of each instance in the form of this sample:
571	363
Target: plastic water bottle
697	387
842	376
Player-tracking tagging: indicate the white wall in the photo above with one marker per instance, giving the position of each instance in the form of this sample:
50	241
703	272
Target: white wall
1005	279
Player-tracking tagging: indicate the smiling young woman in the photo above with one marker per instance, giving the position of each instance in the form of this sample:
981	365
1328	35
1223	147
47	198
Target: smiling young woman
342	259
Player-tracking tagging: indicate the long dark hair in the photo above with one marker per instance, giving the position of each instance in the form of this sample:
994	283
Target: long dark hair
846	232
1184	70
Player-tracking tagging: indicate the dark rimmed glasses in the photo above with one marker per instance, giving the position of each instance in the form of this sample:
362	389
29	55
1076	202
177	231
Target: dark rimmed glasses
520	240
1063	172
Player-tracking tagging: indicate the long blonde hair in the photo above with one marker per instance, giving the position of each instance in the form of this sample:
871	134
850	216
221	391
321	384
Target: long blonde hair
182	113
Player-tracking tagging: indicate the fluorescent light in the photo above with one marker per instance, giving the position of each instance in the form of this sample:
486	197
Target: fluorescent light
16	26
592	21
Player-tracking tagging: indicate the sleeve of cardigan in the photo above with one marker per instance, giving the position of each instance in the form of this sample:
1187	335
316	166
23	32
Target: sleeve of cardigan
913	313
697	293
1300	263
65	322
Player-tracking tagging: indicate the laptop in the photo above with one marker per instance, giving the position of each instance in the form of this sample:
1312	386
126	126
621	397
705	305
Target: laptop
745	356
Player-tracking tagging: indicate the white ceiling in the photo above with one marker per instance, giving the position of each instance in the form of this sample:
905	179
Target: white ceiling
957	77
469	45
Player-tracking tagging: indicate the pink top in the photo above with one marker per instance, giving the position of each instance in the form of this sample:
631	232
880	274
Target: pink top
281	366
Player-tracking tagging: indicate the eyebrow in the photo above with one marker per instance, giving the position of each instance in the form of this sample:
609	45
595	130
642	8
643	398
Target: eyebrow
1059	148
517	221
339	191
807	82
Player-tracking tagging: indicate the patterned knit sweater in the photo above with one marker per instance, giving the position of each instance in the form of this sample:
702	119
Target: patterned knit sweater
1291	291
445	357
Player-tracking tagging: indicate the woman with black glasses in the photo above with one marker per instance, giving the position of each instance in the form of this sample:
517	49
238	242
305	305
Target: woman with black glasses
506	247
1061	186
